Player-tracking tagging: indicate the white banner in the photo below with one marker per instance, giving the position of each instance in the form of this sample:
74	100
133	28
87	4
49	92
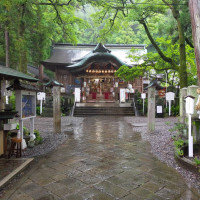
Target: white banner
77	95
122	95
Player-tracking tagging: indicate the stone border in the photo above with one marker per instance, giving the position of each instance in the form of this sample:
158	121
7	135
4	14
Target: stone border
186	163
15	172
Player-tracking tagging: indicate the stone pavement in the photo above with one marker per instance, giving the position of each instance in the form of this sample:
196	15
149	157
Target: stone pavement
102	160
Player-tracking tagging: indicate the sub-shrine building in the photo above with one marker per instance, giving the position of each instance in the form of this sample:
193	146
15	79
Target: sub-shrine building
92	69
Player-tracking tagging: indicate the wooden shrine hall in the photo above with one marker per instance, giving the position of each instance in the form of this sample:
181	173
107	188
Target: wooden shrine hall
92	69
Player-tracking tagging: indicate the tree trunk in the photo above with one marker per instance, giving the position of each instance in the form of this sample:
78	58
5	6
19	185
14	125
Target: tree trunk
194	6
183	67
7	47
22	48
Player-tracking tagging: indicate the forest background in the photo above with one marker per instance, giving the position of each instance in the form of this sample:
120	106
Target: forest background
28	29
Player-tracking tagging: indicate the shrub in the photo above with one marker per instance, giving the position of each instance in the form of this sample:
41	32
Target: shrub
174	110
196	161
38	110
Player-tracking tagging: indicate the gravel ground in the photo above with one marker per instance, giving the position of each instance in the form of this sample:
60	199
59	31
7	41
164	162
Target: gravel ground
162	145
51	140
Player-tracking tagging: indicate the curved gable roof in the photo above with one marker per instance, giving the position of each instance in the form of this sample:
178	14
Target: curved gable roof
99	54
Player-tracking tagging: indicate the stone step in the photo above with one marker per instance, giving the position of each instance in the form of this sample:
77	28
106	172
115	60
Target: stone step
91	111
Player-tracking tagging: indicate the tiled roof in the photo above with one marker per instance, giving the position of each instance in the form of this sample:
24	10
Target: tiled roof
17	85
9	73
52	83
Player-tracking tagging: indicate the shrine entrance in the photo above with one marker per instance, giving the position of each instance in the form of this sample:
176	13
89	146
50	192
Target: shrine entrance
100	90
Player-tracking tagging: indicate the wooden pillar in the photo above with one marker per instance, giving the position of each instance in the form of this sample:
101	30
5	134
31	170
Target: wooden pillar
151	109
41	73
56	109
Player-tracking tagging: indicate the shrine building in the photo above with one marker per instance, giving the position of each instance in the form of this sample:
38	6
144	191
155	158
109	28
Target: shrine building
92	69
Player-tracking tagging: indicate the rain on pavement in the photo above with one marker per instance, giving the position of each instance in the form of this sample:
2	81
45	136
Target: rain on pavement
103	159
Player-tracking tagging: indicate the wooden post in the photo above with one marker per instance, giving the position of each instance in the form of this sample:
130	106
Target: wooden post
56	109
41	73
151	109
194	6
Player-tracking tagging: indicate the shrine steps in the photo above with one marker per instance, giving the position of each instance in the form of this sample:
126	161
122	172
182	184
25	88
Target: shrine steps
96	111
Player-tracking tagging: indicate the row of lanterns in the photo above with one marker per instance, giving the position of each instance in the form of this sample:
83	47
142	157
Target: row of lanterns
100	71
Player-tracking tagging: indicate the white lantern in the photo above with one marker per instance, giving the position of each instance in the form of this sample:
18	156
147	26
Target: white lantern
132	90
127	90
189	104
129	86
116	84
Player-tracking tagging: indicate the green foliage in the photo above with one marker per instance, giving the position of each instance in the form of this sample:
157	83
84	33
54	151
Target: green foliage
174	110
179	127
38	138
196	161
12	101
25	130
33	27
178	139
178	145
38	110
27	133
179	152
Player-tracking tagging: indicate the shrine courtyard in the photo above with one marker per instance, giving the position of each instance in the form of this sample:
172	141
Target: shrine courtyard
104	159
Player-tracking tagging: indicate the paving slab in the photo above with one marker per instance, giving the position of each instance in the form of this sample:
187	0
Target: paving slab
11	167
103	160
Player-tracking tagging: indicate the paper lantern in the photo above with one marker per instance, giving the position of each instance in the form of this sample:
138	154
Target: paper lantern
129	86
127	90
132	90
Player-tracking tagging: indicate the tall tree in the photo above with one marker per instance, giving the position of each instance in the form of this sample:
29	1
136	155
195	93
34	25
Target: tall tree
144	12
33	26
194	6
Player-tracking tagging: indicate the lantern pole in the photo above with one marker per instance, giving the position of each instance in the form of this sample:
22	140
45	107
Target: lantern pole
190	146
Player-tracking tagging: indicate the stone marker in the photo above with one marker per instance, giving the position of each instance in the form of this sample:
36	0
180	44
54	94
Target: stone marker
151	109
56	109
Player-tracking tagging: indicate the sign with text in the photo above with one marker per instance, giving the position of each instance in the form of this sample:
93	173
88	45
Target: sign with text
159	109
122	95
170	96
143	95
41	96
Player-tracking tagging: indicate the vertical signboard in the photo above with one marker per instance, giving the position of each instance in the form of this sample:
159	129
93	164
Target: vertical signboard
77	94
122	95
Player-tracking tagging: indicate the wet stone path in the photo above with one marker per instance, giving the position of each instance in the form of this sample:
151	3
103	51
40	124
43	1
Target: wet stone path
103	160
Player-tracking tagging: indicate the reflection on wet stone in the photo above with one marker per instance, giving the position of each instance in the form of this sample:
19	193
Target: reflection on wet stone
104	159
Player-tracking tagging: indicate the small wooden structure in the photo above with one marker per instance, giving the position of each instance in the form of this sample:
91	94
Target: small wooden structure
8	74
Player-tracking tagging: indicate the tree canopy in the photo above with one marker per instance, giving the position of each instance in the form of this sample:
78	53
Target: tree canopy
30	27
